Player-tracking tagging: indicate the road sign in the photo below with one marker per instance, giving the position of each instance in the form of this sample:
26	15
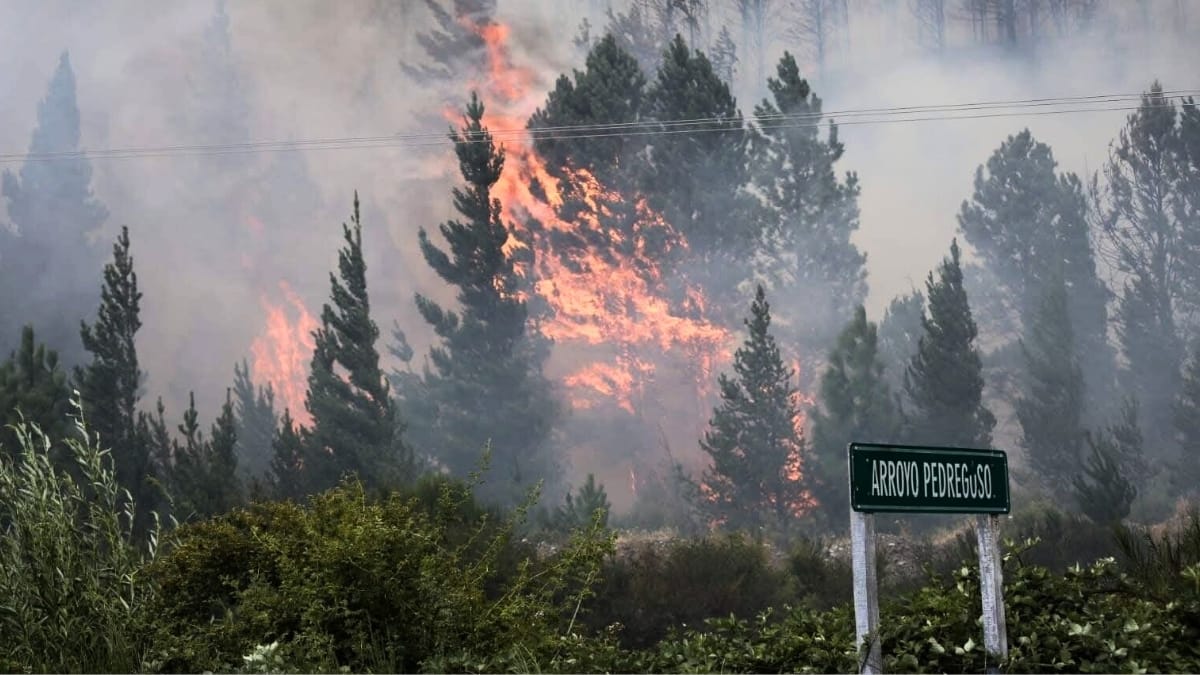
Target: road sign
910	479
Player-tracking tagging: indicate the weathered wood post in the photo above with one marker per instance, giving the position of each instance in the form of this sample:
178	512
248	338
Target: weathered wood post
923	479
991	587
866	591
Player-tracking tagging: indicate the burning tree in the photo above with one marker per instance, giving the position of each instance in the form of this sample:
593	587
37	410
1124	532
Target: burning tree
756	437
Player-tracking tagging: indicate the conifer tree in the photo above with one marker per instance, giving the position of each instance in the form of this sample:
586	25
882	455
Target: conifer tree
255	408
354	427
724	56
1030	226
1139	219
944	381
204	475
1187	427
697	181
484	382
1112	467
899	334
856	405
812	213
1051	410
287	448
48	265
610	90
34	389
110	385
756	449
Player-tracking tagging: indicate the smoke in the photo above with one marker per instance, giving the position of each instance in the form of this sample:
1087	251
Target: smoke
313	69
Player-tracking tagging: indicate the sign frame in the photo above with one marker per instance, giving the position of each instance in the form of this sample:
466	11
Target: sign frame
866	586
986	457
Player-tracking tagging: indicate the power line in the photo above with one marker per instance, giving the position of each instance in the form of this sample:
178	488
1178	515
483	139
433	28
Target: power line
858	116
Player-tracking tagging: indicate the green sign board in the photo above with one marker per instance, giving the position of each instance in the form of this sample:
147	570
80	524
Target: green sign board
907	479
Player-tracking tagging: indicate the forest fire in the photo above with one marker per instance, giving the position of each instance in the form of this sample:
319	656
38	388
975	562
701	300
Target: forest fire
281	354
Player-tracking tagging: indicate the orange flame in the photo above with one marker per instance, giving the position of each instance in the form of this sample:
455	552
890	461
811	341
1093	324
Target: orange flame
281	354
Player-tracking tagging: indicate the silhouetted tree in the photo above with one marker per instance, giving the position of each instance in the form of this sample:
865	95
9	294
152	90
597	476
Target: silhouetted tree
354	429
33	388
485	382
944	381
753	440
48	264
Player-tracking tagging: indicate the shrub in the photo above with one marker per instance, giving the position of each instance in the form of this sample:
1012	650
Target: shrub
651	590
367	585
70	587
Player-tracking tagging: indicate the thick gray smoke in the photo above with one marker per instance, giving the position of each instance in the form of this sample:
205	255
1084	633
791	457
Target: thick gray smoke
155	74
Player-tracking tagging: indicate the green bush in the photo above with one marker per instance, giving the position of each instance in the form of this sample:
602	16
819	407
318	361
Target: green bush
361	584
651	590
70	583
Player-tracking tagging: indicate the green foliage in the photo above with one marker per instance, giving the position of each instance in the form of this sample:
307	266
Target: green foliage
1108	485
752	438
651	590
256	423
203	477
111	384
1159	560
287	450
580	509
33	388
1051	411
486	384
856	405
944	381
351	582
1030	227
812	213
610	90
70	582
354	429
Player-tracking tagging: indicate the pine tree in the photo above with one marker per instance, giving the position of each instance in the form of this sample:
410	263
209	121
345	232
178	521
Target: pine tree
286	480
944	381
48	265
756	449
899	334
222	466
856	405
354	428
204	477
724	56
1108	484
34	389
1051	410
697	181
110	385
1138	219
1030	226
812	213
580	508
610	90
1186	471
256	423
485	383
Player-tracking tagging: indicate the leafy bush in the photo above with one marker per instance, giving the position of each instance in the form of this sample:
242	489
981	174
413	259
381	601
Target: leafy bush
366	585
70	587
651	590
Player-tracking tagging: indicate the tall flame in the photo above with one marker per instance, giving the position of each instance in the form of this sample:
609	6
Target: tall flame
281	354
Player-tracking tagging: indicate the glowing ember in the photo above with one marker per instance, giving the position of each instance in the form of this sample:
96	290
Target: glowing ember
282	353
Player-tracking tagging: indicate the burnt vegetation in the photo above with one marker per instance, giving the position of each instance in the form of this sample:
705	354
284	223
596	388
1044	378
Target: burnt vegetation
426	517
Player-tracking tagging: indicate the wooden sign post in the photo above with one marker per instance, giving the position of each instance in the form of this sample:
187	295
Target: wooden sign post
908	479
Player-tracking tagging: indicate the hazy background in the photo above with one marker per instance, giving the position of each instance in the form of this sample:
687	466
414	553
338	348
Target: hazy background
307	69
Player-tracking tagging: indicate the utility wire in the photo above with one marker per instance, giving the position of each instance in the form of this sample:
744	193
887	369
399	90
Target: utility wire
860	116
